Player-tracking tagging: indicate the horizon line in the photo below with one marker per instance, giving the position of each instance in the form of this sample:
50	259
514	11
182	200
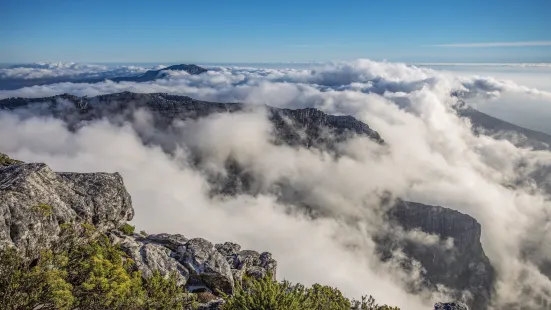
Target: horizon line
497	44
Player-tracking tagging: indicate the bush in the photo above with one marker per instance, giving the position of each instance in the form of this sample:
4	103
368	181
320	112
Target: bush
24	286
127	229
102	277
92	275
267	294
43	210
6	161
164	293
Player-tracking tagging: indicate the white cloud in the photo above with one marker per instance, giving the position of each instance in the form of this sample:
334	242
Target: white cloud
66	70
431	157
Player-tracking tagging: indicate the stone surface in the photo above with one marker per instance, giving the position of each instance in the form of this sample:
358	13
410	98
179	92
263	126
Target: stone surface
35	201
150	257
171	241
208	268
247	262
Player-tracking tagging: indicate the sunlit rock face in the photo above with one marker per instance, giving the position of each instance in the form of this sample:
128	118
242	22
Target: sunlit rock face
35	202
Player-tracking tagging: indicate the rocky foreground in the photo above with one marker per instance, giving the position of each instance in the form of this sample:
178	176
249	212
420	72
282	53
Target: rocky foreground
36	204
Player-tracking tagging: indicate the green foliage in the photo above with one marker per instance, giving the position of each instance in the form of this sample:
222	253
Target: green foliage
127	229
6	161
43	210
89	272
102	277
325	297
368	303
164	293
267	294
92	275
27	286
144	233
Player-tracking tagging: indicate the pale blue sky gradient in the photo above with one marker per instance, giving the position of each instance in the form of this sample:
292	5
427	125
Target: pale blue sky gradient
274	31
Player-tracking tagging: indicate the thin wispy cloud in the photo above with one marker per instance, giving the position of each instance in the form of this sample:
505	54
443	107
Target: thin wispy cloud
498	44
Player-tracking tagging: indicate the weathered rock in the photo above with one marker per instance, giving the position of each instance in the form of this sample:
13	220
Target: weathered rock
247	262
35	201
208	268
171	241
450	306
150	257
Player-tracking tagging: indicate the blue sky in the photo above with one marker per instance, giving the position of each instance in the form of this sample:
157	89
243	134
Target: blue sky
275	31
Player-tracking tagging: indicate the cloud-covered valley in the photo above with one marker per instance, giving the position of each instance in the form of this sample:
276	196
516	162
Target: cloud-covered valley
430	155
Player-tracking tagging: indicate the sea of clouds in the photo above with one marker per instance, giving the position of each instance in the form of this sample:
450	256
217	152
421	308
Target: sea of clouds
430	156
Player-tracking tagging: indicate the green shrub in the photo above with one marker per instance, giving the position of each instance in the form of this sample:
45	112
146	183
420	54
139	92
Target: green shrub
267	294
102	277
368	303
92	275
164	293
127	229
24	286
43	210
325	297
6	161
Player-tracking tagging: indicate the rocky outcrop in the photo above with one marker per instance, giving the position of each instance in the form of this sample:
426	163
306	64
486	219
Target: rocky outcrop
457	261
35	202
197	263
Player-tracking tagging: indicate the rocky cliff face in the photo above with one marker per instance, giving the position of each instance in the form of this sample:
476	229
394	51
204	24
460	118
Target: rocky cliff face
35	202
457	260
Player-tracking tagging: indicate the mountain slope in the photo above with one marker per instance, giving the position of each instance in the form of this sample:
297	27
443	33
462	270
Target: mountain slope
492	126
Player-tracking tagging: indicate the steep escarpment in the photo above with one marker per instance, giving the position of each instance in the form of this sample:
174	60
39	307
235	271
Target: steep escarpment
306	127
456	260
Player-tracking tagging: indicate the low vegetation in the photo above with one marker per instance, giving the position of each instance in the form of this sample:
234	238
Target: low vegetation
267	294
127	229
86	271
95	275
6	161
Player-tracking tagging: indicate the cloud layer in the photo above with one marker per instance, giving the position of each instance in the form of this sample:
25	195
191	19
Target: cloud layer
431	157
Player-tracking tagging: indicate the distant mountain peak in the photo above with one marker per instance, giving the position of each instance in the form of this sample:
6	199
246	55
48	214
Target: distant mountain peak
152	75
